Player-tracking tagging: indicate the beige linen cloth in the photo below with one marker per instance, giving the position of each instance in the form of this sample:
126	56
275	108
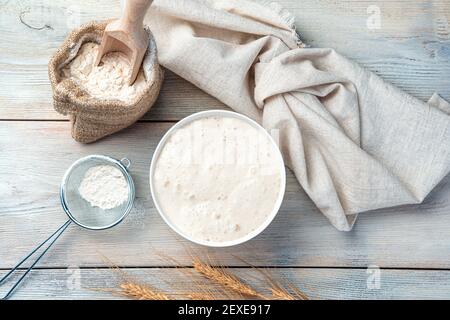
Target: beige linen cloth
354	142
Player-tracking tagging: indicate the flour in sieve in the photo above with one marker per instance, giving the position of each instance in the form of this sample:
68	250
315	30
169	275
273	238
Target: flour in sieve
104	186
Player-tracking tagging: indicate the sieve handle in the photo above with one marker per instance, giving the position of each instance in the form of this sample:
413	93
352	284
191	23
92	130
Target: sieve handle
52	240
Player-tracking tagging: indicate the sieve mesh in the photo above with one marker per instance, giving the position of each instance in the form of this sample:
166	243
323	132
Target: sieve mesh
79	210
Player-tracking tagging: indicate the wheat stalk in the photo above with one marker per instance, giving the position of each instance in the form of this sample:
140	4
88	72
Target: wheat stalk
278	292
225	279
281	294
230	284
201	296
141	292
298	293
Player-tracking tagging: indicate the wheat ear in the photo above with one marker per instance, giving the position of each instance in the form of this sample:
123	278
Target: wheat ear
141	292
225	279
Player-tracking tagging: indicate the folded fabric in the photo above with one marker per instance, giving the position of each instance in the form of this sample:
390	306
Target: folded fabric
355	142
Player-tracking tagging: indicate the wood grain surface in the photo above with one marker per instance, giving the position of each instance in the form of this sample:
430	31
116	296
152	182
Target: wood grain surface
409	236
74	283
411	48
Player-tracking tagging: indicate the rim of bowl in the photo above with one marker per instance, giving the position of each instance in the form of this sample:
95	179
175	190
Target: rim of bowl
218	113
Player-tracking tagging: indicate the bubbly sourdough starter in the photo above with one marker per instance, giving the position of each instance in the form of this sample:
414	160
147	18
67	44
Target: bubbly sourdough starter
217	179
109	80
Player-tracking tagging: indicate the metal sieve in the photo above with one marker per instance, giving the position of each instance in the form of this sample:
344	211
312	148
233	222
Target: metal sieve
79	210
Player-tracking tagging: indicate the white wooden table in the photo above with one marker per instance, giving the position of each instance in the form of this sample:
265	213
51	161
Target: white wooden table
411	244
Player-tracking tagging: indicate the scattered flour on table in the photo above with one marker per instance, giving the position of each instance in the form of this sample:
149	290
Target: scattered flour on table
104	186
109	80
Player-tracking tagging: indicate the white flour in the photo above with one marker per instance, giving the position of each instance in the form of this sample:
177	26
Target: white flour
217	179
109	80
104	186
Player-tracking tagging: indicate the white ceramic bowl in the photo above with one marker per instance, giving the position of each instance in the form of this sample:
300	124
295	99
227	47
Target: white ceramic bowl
217	113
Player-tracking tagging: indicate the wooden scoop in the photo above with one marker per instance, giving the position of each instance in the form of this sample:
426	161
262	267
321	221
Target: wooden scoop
127	35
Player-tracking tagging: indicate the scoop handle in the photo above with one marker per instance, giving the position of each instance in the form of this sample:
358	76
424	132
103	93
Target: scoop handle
134	13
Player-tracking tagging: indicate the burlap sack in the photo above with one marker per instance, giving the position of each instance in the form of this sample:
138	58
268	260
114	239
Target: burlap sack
93	118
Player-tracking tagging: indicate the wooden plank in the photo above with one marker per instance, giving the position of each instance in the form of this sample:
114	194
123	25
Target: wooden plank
34	156
411	49
316	283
